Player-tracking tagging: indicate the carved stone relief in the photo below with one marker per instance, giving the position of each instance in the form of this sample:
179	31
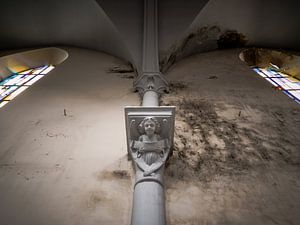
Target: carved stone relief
149	137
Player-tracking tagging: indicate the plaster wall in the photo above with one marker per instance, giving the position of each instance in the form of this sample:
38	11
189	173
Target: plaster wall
236	157
63	146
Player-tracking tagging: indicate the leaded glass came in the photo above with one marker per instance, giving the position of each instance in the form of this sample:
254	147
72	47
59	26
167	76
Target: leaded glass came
18	82
283	82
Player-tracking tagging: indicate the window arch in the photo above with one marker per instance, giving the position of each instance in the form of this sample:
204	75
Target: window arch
18	82
283	82
21	70
281	69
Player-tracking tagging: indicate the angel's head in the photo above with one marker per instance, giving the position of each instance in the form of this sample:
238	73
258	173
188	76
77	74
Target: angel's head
149	125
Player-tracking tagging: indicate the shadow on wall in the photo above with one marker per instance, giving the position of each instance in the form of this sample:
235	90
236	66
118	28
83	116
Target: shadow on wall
201	40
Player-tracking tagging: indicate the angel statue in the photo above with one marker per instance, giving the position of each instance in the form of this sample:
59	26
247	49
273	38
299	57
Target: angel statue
150	151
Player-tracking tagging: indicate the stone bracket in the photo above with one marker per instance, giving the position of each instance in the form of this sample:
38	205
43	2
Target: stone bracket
134	115
150	134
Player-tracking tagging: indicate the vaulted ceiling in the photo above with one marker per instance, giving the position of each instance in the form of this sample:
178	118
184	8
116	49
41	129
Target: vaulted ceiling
115	26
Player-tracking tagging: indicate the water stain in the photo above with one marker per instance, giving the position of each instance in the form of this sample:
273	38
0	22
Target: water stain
123	71
231	39
199	40
96	198
114	175
202	39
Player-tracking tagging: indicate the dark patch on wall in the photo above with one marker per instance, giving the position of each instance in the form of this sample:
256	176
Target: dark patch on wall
251	56
177	85
213	77
123	71
200	40
203	39
96	198
206	145
120	69
231	39
115	174
128	76
121	174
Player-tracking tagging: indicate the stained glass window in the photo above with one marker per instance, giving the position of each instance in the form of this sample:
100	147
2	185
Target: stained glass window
283	82
18	82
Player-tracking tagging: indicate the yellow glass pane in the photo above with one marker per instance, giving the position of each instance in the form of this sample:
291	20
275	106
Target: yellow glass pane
3	103
48	69
25	72
39	70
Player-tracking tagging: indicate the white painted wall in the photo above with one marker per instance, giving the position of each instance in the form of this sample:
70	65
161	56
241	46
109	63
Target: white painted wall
57	169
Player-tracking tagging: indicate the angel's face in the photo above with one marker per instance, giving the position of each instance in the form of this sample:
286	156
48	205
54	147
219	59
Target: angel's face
149	127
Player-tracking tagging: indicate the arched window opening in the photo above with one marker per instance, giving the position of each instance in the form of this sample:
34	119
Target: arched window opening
281	69
18	82
283	82
21	70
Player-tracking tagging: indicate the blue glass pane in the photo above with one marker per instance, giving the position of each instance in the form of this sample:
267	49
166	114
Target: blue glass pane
15	84
284	82
6	90
259	72
9	79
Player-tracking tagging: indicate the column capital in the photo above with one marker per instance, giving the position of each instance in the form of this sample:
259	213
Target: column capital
151	81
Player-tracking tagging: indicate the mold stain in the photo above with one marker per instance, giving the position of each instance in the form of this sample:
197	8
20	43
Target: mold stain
231	39
207	145
95	198
123	71
196	41
202	39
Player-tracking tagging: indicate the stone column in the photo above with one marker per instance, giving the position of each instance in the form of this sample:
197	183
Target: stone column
149	130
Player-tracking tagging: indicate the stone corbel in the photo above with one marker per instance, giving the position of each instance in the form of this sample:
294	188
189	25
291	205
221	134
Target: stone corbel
150	138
